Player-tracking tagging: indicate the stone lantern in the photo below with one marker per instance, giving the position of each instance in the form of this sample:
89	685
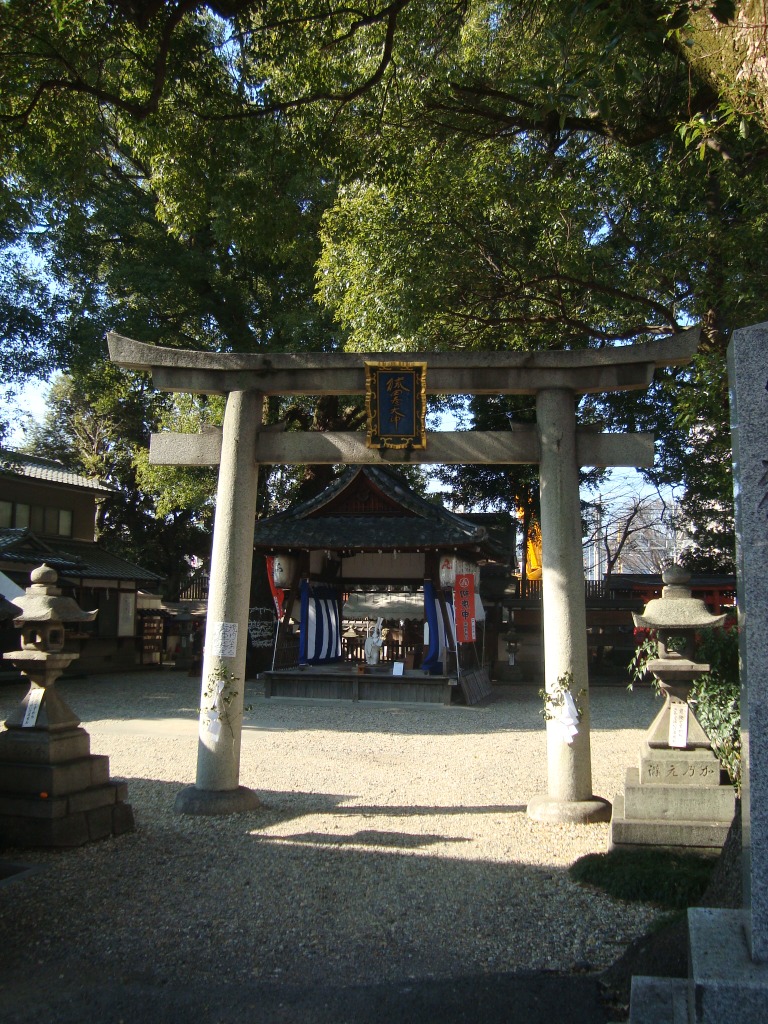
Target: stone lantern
44	612
676	617
53	791
678	796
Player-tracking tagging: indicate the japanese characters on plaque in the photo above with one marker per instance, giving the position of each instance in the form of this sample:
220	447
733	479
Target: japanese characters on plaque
685	771
464	607
396	405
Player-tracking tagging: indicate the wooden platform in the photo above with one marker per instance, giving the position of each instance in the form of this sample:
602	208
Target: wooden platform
344	682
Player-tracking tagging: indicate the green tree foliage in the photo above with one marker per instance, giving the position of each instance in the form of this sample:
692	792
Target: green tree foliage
544	198
507	175
137	202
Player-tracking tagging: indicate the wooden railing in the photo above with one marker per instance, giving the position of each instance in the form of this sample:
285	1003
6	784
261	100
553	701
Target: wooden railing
197	588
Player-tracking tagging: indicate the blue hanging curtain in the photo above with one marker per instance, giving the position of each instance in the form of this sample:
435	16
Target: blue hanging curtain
438	640
320	629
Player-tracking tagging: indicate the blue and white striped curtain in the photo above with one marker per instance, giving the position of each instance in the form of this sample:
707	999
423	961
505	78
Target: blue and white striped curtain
438	638
320	630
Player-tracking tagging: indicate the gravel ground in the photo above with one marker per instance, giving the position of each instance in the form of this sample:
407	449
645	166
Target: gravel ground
393	844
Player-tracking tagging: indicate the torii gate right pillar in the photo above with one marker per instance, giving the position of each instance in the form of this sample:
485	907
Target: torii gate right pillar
569	794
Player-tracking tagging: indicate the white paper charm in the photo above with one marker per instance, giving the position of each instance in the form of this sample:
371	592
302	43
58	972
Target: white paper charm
33	707
678	725
568	717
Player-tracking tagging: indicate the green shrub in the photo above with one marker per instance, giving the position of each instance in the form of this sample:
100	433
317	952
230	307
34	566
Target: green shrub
717	697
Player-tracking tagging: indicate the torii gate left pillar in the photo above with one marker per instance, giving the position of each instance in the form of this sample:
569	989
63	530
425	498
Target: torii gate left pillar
217	789
556	378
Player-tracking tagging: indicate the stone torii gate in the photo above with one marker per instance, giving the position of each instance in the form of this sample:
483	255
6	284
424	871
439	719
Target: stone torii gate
555	442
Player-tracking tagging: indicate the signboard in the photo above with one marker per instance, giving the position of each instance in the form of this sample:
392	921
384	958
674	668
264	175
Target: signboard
396	405
126	613
464	608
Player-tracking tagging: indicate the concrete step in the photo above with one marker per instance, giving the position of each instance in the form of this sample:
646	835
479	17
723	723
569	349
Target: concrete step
658	1001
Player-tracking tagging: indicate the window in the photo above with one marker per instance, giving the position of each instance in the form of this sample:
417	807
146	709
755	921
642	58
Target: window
53	522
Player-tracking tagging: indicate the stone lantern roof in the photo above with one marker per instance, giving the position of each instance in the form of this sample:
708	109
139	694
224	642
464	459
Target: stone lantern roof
676	609
43	602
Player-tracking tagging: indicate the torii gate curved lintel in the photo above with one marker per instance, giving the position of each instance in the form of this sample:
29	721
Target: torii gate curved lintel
555	443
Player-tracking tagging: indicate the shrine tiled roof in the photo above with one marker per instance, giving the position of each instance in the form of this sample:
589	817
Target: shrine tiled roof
70	558
48	470
367	509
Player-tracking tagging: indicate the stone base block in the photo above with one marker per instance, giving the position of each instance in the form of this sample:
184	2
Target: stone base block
61	804
725	984
122	819
37	806
34	746
54	779
676	803
685	836
658	1001
192	800
550	809
69	830
72	820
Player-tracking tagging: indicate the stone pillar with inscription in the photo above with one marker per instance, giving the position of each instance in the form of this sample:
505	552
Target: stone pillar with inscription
728	949
569	794
748	373
217	789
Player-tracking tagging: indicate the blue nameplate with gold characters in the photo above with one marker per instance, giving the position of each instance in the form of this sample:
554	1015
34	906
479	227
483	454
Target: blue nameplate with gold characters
396	403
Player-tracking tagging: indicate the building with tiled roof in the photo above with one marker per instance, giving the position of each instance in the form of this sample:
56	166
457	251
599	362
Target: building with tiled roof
48	515
381	551
371	509
32	467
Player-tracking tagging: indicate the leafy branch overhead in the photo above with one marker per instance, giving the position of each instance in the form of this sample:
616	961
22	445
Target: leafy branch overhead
489	174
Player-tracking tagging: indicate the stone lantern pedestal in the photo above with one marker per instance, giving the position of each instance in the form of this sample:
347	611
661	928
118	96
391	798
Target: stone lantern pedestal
677	797
53	791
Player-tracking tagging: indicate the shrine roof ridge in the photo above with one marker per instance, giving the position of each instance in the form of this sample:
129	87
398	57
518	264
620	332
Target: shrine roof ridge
417	524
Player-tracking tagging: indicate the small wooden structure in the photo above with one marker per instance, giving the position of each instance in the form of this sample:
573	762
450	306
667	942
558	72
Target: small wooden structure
370	547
